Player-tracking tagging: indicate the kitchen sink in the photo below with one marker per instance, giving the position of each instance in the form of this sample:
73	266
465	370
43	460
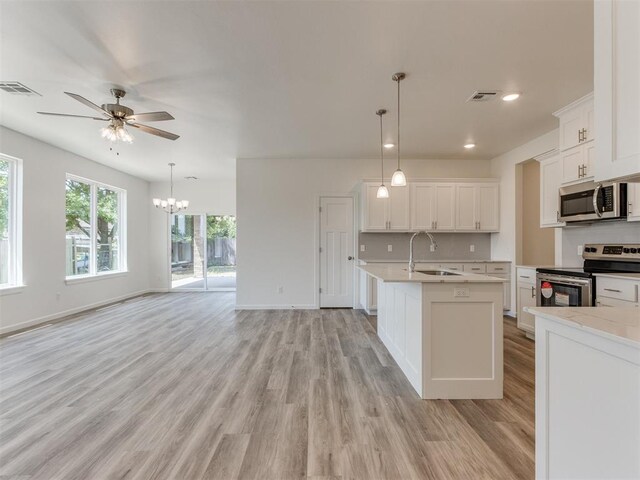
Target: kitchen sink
437	272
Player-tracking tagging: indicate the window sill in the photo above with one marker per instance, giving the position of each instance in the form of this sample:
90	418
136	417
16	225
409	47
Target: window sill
11	289
93	278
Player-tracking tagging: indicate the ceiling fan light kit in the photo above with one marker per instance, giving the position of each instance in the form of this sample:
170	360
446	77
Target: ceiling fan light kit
120	117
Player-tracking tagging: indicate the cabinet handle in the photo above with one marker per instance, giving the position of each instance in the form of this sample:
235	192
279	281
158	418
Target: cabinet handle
584	134
533	292
557	215
436	225
584	170
613	290
629	209
578	171
579	137
524	276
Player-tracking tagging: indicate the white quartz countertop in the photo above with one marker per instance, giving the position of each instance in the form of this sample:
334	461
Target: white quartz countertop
618	323
432	261
626	276
401	273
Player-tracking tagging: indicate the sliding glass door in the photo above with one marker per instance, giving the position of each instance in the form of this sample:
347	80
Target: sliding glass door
203	252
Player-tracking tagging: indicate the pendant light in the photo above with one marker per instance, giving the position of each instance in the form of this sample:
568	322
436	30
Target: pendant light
383	192
398	179
170	205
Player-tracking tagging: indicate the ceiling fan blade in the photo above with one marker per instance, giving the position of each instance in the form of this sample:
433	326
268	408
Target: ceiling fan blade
76	116
88	103
155	131
150	117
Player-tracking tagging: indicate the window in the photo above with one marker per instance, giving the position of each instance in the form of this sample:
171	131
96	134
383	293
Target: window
10	222
95	224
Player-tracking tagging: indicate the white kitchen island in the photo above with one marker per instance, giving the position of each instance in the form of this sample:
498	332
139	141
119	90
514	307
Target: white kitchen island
444	331
587	392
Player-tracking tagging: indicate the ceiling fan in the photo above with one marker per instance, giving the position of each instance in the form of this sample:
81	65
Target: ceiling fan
120	117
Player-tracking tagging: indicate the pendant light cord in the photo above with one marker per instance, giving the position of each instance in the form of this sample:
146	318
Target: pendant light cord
381	155
398	147
171	180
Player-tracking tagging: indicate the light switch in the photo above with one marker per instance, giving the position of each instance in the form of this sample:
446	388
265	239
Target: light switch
580	250
472	248
363	248
389	248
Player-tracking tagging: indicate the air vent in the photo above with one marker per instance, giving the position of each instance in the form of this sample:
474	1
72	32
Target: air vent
16	88
483	95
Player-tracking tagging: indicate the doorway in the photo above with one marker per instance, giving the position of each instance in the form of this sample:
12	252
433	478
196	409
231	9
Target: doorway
336	253
534	245
203	252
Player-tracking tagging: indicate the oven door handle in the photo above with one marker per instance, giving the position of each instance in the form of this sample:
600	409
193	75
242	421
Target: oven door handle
565	280
595	200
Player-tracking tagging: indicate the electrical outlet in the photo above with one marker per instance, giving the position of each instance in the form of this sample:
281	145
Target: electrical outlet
389	248
580	250
363	248
432	248
280	289
472	248
460	292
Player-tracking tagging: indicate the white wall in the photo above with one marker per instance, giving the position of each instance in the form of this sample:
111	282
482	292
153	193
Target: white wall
44	170
276	211
215	197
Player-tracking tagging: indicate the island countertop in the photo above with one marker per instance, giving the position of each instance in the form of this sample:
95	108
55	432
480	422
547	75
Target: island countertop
617	323
400	273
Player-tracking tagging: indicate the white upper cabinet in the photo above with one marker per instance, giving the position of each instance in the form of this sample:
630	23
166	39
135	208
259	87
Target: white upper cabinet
466	218
374	211
551	174
576	140
478	207
576	123
433	206
633	202
385	214
617	89
399	216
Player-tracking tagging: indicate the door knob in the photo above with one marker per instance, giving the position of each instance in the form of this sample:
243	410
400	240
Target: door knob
349	257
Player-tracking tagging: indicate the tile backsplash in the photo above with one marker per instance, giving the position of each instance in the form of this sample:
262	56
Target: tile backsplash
451	246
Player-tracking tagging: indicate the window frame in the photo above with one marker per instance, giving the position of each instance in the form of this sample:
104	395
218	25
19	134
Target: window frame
93	219
14	198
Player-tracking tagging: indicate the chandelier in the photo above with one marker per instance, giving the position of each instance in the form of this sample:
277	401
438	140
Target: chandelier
170	205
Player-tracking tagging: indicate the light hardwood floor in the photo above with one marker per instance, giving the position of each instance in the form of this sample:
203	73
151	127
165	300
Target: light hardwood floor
180	386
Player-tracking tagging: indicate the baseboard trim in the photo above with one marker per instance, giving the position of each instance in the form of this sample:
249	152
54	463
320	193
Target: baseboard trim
60	316
276	307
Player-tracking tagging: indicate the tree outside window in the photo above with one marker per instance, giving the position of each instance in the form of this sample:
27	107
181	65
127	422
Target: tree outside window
93	224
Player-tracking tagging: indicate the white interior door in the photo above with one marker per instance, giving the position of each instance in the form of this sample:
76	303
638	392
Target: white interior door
336	252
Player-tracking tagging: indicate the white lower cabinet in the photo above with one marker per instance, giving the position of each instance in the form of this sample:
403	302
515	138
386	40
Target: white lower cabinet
617	292
368	293
525	297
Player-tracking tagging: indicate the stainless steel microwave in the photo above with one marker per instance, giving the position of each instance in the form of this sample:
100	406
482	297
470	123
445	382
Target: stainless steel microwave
591	201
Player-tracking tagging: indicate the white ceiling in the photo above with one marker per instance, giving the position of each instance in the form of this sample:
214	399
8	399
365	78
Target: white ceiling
293	79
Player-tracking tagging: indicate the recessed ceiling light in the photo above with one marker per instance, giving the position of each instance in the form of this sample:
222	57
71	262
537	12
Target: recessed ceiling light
510	97
469	145
389	145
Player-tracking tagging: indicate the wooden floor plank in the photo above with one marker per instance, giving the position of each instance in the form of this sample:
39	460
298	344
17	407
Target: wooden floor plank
182	386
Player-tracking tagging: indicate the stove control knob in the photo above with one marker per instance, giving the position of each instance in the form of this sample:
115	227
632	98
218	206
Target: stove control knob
625	250
634	250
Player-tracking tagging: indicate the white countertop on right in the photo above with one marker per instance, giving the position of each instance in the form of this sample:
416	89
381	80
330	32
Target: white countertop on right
618	323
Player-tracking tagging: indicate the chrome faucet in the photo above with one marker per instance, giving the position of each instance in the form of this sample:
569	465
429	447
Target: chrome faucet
412	264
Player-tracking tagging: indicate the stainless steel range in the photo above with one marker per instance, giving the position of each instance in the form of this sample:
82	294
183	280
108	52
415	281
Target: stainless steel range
566	287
